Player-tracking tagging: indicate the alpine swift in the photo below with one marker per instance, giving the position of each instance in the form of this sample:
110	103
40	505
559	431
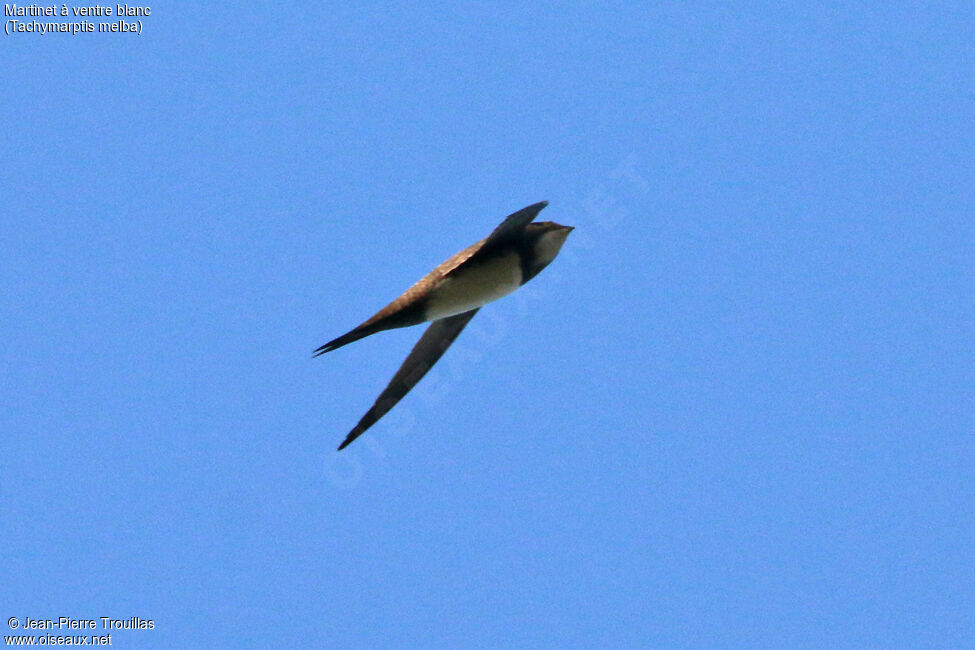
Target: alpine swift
450	295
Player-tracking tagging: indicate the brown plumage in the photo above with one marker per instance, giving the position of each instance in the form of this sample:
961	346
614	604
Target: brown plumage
451	294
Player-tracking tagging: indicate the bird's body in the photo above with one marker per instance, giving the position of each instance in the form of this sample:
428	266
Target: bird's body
474	285
451	294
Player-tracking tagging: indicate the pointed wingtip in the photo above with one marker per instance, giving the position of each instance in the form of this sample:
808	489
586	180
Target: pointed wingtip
535	208
357	431
348	439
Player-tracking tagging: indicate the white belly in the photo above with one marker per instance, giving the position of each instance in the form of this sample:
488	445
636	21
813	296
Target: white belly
474	287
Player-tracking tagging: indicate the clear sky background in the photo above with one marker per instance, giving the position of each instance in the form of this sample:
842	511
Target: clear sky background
738	411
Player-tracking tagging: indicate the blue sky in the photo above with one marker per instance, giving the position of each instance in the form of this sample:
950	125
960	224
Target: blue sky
738	411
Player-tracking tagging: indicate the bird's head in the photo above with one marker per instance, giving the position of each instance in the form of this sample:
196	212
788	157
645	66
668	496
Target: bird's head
546	239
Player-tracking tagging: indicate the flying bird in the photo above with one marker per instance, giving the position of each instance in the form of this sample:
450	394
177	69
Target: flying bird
450	295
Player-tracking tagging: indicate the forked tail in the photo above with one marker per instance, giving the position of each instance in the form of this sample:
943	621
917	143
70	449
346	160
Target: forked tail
349	337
